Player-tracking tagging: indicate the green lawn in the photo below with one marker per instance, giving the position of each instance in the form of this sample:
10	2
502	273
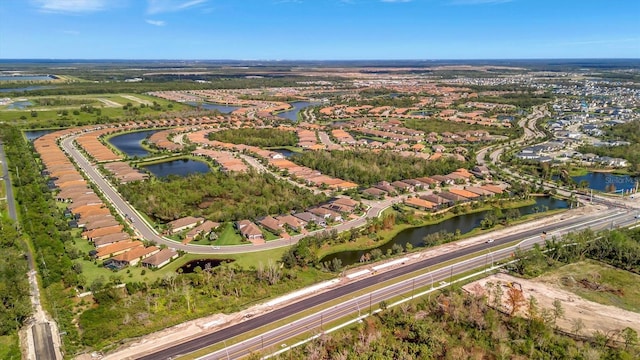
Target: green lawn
619	288
268	235
229	236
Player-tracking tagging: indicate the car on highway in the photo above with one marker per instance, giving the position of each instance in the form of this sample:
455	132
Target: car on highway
490	241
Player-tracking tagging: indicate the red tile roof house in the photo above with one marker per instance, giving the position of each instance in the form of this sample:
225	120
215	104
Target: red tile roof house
375	192
133	256
326	213
249	230
160	259
271	224
110	239
420	203
184	223
204	228
292	222
116	249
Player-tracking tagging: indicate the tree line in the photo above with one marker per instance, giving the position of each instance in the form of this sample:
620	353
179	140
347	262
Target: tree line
43	223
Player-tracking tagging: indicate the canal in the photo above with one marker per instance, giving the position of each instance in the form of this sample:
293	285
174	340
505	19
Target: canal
465	223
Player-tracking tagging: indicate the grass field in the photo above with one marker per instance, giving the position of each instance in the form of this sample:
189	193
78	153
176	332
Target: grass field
616	287
110	105
9	347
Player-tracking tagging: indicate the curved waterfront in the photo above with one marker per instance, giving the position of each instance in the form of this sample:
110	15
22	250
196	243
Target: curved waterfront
465	223
130	143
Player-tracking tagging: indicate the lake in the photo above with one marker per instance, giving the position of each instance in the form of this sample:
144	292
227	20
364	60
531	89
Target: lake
604	181
225	109
19	105
27	78
180	167
292	114
464	223
285	152
130	143
34	134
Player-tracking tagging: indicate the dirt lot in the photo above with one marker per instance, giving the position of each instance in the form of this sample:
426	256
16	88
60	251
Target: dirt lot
594	316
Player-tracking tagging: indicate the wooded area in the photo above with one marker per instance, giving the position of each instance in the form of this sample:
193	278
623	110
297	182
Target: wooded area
367	168
260	137
218	196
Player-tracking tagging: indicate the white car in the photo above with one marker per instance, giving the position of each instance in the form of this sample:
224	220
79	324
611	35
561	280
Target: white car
490	241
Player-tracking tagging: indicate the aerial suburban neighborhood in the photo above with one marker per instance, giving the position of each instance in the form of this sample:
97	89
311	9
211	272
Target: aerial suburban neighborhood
357	185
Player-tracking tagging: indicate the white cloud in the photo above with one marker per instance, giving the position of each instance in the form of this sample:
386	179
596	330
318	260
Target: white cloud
156	22
163	6
72	6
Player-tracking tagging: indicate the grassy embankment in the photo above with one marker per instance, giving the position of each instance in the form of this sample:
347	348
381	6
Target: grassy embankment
616	287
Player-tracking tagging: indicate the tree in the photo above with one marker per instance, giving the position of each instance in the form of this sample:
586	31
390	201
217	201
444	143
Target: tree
515	299
630	337
558	310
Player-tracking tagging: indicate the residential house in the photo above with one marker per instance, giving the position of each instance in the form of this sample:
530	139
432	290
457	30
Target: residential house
453	197
402	186
291	222
110	239
308	217
326	213
375	192
420	203
160	259
116	249
271	224
133	256
439	202
249	230
183	223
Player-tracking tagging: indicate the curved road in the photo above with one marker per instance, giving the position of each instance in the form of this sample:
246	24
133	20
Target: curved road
277	337
146	231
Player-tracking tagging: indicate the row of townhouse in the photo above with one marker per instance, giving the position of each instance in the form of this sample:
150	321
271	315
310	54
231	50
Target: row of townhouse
334	211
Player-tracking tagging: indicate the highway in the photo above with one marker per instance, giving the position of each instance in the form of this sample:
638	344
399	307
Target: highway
277	337
146	231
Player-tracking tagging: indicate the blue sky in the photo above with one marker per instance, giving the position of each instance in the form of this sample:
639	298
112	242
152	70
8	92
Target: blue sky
319	29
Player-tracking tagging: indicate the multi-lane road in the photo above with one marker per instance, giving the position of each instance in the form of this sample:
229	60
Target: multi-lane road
275	339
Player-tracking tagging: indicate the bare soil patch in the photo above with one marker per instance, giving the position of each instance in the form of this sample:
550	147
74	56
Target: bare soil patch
594	317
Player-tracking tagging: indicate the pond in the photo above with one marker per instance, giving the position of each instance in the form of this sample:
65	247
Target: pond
19	105
130	143
34	134
190	267
181	167
464	223
292	114
607	182
285	152
26	88
225	109
27	77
